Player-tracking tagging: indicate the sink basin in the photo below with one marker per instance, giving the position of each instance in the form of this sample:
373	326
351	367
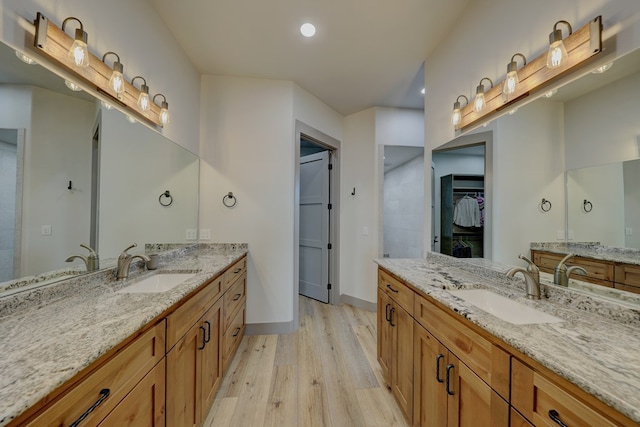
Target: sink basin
161	282
505	308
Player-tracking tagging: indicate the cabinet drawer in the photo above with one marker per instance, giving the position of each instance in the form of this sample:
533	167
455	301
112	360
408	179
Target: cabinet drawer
627	274
185	316
234	272
119	375
397	290
536	397
232	336
233	299
489	362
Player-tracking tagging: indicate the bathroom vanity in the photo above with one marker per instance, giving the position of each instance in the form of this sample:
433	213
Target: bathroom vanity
98	350
569	356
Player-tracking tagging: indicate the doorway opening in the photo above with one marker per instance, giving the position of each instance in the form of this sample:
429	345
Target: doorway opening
316	225
11	155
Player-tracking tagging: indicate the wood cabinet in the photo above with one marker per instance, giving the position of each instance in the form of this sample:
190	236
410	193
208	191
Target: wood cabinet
395	340
109	387
235	302
599	272
194	362
447	392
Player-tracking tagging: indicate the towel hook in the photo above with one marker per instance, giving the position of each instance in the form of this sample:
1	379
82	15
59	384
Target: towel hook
229	200
166	195
545	205
587	206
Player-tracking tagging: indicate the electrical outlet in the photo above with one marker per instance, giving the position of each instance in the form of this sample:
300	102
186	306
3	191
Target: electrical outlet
560	234
192	234
629	231
205	234
46	230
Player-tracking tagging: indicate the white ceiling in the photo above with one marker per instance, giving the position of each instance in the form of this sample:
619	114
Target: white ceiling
365	52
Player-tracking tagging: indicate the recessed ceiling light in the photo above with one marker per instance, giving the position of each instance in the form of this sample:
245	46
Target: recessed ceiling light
422	91
307	29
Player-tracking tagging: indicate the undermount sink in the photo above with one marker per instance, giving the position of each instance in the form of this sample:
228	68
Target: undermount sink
505	308
161	282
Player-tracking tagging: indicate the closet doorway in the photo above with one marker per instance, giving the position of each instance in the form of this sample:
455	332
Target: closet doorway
460	201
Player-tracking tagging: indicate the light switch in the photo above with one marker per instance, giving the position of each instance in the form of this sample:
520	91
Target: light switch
46	230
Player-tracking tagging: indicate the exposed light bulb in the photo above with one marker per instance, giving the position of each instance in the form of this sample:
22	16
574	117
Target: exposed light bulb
479	102
79	54
511	81
308	29
71	85
116	82
557	54
164	116
24	58
144	102
456	117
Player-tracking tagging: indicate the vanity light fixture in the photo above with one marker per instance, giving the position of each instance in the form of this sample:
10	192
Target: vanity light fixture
511	82
479	101
78	52
557	53
25	58
601	69
456	116
164	109
116	82
71	85
143	100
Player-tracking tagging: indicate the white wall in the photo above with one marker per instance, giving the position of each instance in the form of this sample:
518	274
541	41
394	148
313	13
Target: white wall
606	121
147	165
632	203
399	126
404	210
134	30
8	168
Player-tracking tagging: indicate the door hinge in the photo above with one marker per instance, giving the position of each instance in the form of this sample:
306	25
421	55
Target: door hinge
328	285
329	246
330	206
330	166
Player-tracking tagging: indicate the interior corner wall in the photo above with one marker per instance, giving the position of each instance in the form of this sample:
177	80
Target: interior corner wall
136	32
359	216
248	148
312	112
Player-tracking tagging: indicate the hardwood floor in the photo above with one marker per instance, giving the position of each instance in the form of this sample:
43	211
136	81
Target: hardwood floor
324	374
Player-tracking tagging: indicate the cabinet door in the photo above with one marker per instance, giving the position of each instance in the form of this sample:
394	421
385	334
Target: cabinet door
471	402
429	365
384	335
211	355
144	405
184	379
402	358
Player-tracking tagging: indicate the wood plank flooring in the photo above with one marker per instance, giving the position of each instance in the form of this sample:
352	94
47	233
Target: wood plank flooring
324	374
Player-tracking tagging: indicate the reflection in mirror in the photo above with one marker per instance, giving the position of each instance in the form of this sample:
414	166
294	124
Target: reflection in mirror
603	204
73	172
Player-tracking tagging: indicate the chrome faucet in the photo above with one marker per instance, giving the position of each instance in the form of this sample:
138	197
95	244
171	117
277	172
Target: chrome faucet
91	261
561	272
124	261
531	277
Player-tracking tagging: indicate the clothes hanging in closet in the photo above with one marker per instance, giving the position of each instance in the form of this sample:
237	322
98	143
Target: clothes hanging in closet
467	213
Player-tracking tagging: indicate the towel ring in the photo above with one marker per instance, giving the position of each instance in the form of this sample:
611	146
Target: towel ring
587	206
545	205
229	200
166	195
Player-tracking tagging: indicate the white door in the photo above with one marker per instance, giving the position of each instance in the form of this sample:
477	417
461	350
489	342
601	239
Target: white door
314	226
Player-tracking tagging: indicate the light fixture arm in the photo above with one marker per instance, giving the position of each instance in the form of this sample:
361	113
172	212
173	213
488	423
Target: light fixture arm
513	65
456	105
480	85
80	34
143	87
117	65
164	104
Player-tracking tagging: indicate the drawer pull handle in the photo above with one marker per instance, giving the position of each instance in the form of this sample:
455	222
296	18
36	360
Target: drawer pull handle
204	338
386	312
208	331
237	270
392	290
449	368
555	416
104	393
391	316
438	359
237	332
237	297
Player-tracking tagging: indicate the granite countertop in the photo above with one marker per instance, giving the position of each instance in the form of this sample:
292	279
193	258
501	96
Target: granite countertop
592	250
50	334
596	347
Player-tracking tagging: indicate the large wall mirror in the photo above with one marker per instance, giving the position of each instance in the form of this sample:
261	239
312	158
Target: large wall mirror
74	172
